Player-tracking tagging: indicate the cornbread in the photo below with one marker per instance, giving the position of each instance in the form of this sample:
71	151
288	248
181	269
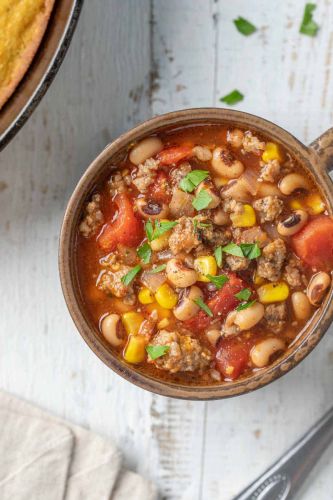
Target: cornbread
22	26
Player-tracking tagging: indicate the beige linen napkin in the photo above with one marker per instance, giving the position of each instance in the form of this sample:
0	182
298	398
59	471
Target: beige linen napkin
45	458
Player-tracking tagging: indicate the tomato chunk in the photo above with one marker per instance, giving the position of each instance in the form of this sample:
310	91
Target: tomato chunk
160	190
222	302
126	229
175	154
233	355
314	243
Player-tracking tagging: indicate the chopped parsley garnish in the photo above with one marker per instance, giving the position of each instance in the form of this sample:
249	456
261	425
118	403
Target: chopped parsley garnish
218	281
247	250
233	98
199	302
192	180
156	351
233	249
309	26
244	26
129	277
250	250
149	230
158	269
160	228
218	256
245	305
202	200
144	252
244	294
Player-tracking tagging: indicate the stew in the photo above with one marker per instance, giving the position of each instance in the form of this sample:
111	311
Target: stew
204	253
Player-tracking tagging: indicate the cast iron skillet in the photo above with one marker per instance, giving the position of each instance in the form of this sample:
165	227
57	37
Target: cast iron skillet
317	159
42	70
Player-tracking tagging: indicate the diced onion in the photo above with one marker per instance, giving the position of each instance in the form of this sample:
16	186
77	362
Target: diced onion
153	280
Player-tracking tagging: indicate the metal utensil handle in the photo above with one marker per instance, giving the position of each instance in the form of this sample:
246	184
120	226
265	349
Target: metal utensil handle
286	476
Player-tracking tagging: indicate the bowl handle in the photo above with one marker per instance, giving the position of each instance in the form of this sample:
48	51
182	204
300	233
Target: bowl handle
323	148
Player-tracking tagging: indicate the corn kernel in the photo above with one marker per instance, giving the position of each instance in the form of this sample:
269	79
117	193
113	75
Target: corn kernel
273	292
315	204
166	297
258	280
145	296
205	265
132	322
272	152
162	242
163	323
246	219
134	351
161	311
296	205
220	181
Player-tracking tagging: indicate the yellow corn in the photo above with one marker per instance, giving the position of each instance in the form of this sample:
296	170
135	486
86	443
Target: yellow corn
220	181
132	322
246	219
162	242
315	204
258	280
161	311
296	204
272	152
145	296
163	323
205	265
166	297
134	351
273	292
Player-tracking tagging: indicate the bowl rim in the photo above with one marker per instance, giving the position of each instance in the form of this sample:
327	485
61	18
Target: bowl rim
309	337
48	75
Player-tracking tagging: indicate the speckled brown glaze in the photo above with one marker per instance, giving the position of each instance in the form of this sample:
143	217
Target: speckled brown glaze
318	159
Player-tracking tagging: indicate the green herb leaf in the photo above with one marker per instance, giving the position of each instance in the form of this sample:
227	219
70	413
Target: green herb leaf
218	256
202	200
149	230
244	294
233	249
203	306
192	180
129	277
245	305
233	98
156	351
218	281
162	227
158	269
244	26
144	252
250	250
309	26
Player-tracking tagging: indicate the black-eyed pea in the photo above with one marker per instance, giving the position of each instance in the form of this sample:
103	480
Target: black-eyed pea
291	182
186	308
145	149
249	317
318	287
293	223
262	352
225	164
179	274
151	209
301	306
110	328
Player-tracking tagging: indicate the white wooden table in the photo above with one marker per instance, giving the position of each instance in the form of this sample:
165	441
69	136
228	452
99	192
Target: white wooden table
131	59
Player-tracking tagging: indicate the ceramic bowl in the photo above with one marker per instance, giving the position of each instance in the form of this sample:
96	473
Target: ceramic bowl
316	158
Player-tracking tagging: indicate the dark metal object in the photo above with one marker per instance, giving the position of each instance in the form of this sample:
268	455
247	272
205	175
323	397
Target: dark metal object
42	69
284	478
